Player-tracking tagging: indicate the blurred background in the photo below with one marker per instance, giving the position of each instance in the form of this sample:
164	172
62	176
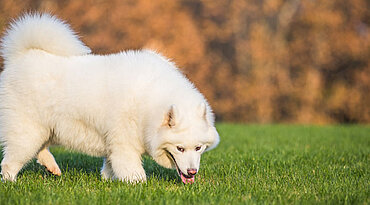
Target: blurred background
256	61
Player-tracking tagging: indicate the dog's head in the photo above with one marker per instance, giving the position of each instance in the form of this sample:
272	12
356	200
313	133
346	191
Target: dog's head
183	137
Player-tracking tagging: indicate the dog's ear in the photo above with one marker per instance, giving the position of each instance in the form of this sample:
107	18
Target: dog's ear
202	111
171	117
214	140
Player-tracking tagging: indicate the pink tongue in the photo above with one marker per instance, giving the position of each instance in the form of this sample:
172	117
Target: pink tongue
187	180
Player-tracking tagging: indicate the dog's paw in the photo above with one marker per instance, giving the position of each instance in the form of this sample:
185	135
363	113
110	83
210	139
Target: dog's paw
134	178
51	166
7	178
8	173
105	175
54	170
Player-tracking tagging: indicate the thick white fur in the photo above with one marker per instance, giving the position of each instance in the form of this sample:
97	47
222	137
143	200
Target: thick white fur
118	106
42	32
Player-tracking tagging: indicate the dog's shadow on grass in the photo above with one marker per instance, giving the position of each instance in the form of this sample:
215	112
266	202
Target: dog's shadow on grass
154	170
72	162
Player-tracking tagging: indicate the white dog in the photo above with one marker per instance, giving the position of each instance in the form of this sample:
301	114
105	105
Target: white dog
118	106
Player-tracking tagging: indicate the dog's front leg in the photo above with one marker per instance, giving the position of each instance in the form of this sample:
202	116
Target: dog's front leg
126	165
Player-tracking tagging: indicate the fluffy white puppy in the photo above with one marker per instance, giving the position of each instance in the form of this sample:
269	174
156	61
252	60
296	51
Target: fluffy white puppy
118	106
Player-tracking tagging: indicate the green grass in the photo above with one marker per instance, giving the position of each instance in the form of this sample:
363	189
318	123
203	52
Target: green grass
254	164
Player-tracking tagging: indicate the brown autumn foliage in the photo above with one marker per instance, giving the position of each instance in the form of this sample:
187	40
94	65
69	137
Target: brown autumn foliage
255	60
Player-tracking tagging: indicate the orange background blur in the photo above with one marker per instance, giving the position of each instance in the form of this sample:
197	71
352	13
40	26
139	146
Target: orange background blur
258	61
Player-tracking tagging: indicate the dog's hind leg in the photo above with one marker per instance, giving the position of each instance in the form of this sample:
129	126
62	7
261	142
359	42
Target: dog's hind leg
22	141
45	158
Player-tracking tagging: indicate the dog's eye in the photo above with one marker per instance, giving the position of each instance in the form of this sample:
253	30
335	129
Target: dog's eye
198	148
180	149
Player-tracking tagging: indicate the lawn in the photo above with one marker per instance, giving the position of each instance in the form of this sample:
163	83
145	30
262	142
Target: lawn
253	164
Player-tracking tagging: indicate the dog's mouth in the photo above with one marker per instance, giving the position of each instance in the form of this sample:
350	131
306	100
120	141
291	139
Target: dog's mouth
185	178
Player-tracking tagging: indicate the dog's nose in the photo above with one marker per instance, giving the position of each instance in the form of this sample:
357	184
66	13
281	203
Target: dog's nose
192	171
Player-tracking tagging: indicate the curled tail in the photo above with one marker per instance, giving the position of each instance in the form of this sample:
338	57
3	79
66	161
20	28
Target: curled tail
41	31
